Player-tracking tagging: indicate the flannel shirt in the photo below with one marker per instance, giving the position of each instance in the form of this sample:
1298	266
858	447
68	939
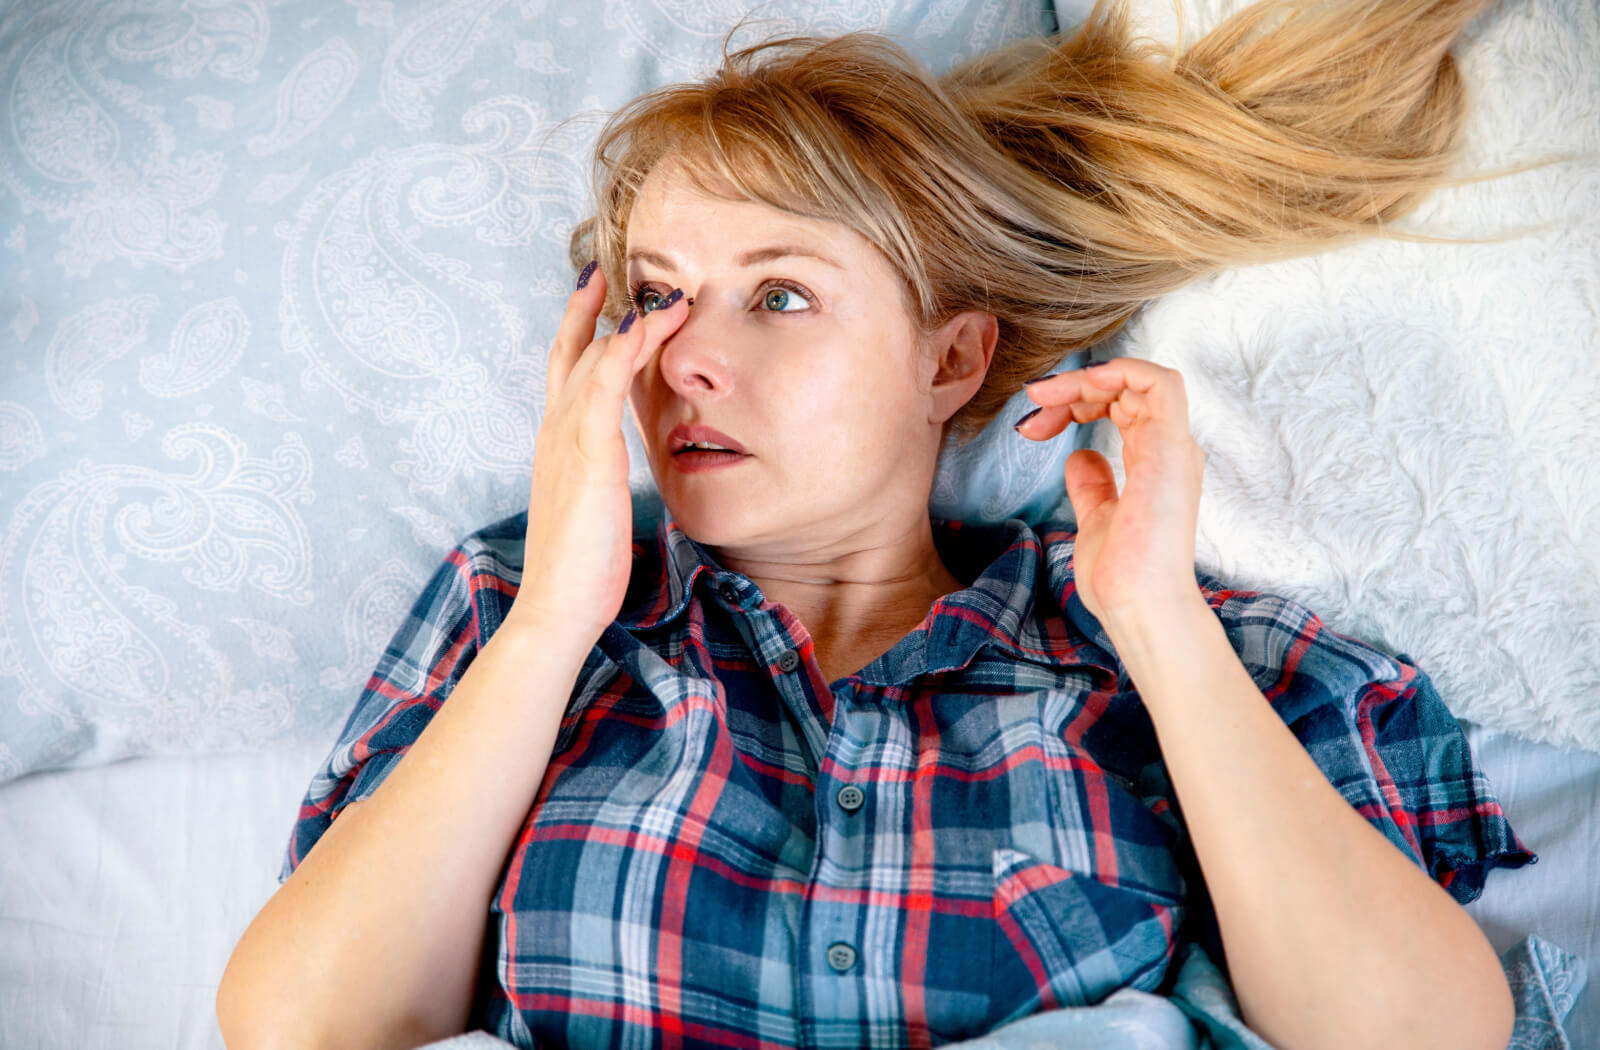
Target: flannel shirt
728	850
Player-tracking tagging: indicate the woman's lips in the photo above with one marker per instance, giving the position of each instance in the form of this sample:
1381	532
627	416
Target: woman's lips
699	461
700	434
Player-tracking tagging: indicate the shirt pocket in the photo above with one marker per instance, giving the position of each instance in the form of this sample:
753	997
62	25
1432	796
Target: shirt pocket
1068	939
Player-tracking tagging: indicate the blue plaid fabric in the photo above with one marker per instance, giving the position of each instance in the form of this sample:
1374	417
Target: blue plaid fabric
728	850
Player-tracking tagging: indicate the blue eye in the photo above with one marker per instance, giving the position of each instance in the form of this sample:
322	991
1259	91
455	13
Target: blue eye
645	299
780	297
783	295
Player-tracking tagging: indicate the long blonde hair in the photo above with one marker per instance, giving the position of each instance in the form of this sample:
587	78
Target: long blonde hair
1060	183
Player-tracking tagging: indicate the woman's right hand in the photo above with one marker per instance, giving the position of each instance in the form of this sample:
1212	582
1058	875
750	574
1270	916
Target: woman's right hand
579	546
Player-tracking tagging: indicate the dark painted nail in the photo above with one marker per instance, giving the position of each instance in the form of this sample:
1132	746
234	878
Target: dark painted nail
1024	419
627	321
1041	379
588	272
666	304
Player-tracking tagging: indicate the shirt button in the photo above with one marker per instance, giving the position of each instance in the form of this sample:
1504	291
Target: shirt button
788	661
851	798
729	593
841	956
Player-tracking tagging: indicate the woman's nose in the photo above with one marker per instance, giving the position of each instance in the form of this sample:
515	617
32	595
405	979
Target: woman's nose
694	359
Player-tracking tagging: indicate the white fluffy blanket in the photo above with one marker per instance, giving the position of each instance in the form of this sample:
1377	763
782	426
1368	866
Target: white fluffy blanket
1406	437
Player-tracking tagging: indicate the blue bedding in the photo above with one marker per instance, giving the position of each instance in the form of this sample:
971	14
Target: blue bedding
1201	1013
279	281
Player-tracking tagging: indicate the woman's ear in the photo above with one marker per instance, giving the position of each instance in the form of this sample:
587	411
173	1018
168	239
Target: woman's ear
961	349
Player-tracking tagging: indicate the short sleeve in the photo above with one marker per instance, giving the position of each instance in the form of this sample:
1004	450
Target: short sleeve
1422	788
1377	728
424	660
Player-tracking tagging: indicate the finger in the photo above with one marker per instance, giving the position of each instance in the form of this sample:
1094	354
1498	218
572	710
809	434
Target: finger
1158	397
660	324
1044	423
1047	421
1130	409
1066	388
1161	391
1090	482
576	331
612	369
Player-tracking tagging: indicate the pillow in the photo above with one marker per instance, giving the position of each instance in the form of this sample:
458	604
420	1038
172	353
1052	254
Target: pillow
279	283
1404	437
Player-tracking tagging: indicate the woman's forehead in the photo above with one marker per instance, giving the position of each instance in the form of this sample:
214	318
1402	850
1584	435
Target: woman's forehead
678	171
674	186
677	196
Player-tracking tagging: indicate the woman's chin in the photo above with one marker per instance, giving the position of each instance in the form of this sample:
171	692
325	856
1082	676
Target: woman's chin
711	519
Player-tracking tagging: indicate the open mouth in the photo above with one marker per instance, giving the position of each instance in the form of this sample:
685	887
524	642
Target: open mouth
693	459
707	455
702	447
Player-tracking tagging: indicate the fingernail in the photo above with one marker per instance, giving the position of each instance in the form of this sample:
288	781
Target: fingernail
1096	364
588	272
1041	379
666	304
627	321
1024	419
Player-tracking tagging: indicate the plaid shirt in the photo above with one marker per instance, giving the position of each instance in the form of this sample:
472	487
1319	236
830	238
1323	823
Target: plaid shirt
728	850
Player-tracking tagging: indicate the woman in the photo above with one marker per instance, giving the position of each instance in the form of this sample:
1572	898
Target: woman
807	767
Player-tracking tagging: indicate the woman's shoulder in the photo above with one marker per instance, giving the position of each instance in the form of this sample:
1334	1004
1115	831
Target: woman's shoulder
1268	624
496	549
503	542
486	566
1282	632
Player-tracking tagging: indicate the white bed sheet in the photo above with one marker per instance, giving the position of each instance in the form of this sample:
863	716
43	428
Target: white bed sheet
123	888
1552	798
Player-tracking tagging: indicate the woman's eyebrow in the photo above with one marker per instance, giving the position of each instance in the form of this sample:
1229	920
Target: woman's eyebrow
749	258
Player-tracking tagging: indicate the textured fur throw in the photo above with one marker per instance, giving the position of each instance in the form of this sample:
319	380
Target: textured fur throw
1406	437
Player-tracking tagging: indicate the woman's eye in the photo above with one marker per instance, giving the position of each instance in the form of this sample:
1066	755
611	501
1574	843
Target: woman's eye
780	299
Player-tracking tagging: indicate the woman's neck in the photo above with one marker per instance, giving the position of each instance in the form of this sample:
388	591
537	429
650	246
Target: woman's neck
855	600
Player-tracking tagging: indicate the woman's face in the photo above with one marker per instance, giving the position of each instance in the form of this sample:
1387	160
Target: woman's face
799	348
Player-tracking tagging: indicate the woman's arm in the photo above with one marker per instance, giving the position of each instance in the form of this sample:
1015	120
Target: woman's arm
374	940
1334	938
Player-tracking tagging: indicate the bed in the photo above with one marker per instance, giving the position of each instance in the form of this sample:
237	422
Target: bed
275	286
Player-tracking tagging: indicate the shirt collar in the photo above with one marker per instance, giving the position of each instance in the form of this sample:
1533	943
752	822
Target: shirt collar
666	568
1021	578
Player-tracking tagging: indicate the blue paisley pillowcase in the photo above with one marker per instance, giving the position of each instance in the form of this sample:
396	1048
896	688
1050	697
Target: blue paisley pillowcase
278	283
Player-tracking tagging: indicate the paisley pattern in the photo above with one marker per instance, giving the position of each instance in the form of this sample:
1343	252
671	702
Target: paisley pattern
365	618
207	343
106	560
279	280
311	91
21	436
86	342
428	53
223	37
85	151
411	335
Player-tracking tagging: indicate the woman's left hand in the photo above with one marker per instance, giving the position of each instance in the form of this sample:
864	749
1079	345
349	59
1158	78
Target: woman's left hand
1135	550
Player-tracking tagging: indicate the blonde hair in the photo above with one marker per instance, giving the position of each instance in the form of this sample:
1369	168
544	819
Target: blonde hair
1061	182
